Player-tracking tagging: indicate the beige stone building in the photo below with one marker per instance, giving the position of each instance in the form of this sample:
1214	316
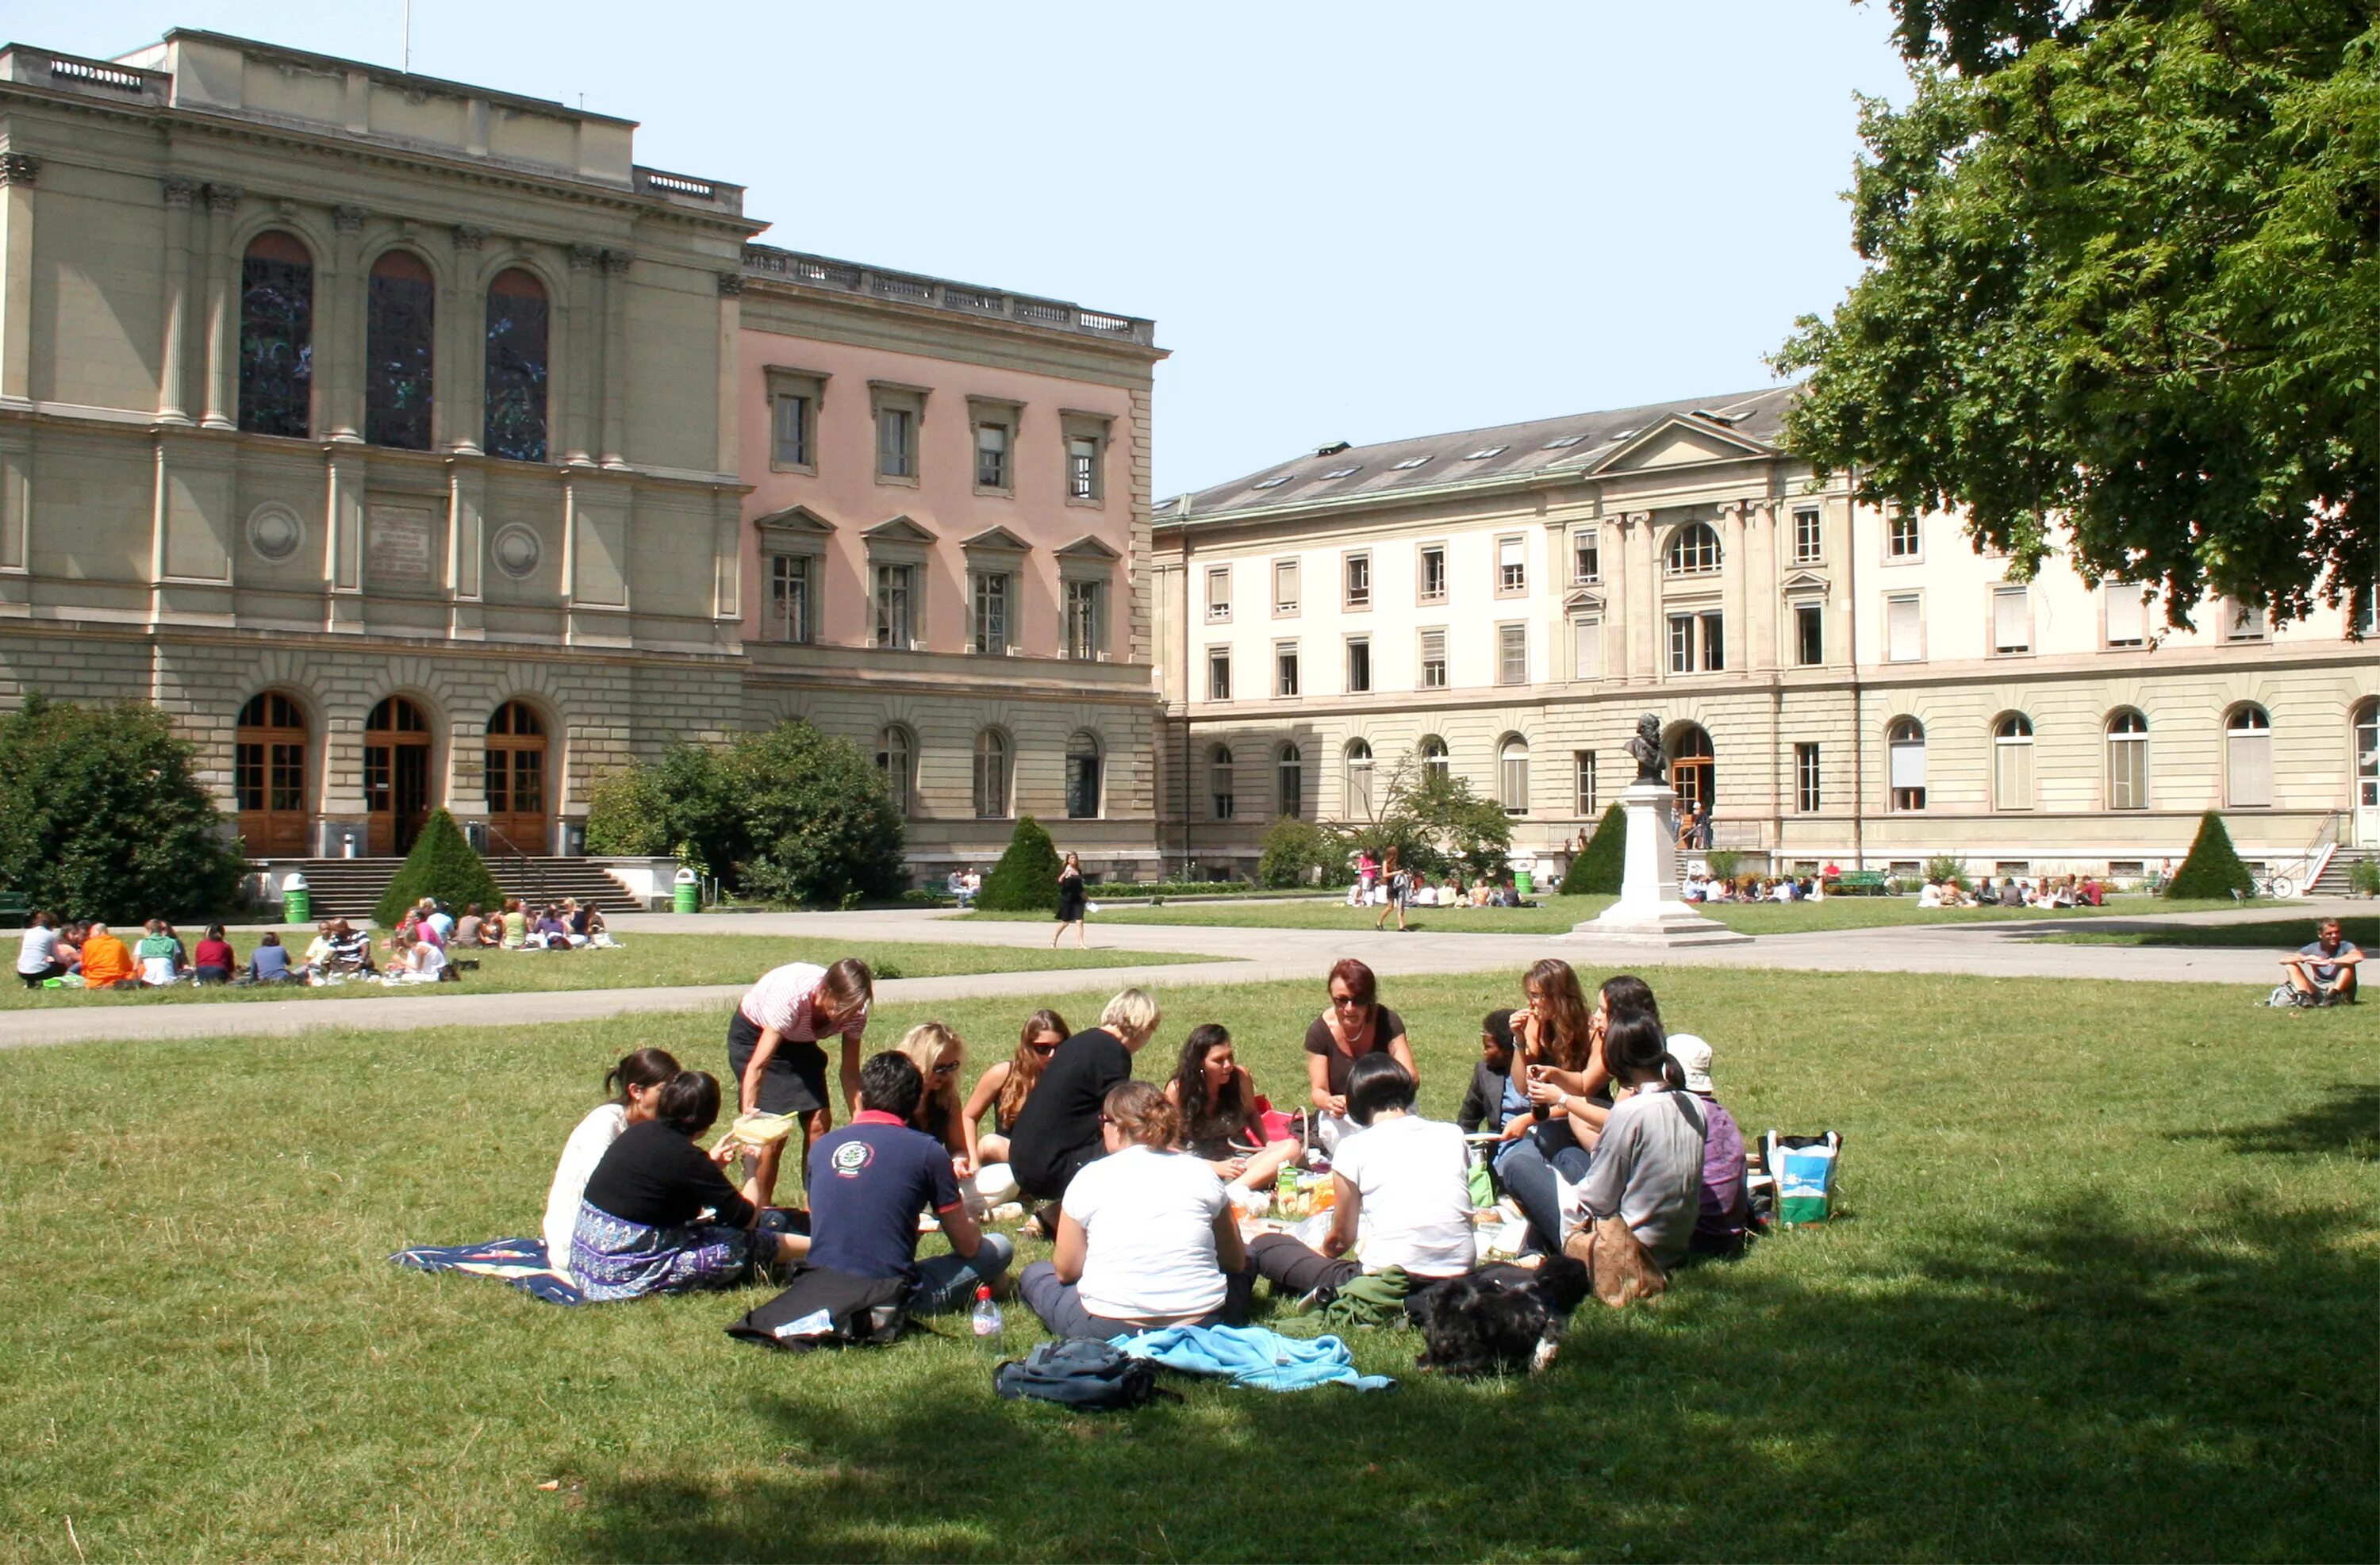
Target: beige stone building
413	445
1837	684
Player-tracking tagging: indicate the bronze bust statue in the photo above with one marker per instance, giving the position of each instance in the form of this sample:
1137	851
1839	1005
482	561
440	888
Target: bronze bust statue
1652	765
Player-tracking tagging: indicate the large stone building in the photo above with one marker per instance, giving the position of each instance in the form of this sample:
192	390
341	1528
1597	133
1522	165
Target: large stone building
1837	684
412	445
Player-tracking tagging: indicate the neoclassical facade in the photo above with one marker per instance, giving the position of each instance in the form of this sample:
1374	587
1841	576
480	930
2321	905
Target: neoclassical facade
1837	684
408	441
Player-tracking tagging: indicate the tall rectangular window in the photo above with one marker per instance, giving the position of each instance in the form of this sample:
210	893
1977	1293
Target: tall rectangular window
2128	615
1586	556
792	429
1512	566
1219	673
1359	664
1582	772
1083	468
789	598
895	607
992	591
1714	629
1900	536
1808	538
1511	654
1697	643
991	456
1086	620
1904	628
1218	592
1285	669
1809	635
1359	581
2366	618
2241	621
1433	660
1682	643
1284	586
2012	621
1586	649
896	443
1806	798
1432	572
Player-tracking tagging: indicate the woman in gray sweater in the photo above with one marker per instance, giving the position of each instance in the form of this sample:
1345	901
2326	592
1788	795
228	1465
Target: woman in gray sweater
1648	1159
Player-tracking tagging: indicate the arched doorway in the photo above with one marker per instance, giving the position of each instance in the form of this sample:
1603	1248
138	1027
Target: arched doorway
1691	772
516	776
396	775
269	777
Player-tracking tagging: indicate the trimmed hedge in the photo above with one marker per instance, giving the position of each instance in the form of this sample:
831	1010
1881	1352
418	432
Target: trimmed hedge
2213	869
1025	878
442	865
1599	868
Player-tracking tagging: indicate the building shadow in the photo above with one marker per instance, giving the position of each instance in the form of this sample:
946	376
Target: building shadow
2347	1122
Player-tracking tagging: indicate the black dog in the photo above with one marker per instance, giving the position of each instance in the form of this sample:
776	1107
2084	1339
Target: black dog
1499	1319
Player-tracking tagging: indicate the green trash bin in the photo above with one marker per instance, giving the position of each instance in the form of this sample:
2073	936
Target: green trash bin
297	900
686	895
1524	881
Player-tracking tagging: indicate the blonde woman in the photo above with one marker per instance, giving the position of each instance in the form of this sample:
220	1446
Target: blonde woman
939	1054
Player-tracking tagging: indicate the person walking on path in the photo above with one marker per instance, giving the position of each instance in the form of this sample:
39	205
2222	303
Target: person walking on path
1071	903
1397	883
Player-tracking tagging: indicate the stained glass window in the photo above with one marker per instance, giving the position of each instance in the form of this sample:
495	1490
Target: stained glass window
400	327
277	336
516	367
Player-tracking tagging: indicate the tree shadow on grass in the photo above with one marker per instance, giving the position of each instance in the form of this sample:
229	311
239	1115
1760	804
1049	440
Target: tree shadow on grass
2347	1121
2056	1386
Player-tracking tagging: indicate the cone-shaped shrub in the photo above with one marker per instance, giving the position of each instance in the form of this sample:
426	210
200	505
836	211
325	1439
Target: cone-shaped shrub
442	865
2213	869
1598	869
1026	876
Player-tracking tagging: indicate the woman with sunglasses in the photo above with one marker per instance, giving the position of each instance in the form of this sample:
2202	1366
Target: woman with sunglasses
1003	1089
939	1053
1356	1023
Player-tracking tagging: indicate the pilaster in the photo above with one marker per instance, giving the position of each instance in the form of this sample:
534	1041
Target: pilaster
18	173
466	514
222	320
1644	625
342	540
1737	567
339	308
615	355
173	369
462	325
582	312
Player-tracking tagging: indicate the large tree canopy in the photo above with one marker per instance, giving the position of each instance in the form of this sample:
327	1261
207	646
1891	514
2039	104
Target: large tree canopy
2122	282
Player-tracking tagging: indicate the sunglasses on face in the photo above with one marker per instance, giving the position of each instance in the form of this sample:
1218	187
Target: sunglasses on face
946	1070
1348	1000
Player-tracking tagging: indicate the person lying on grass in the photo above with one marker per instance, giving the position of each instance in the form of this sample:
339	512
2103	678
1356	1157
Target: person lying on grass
1002	1090
2323	972
774	1054
1147	1237
658	1217
869	1182
1403	1186
638	1081
1222	1117
939	1054
1648	1159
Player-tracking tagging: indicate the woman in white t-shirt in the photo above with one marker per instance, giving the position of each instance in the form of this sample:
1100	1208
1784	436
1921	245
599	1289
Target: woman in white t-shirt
1145	1238
637	1078
1403	1188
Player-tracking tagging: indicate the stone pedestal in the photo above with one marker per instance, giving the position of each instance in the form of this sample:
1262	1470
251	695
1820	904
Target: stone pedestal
1648	912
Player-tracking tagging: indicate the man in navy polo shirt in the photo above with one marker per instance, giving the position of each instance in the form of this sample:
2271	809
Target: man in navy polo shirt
869	1182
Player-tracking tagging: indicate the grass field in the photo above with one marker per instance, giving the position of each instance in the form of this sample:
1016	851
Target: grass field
2280	934
1557	914
2105	1286
640	961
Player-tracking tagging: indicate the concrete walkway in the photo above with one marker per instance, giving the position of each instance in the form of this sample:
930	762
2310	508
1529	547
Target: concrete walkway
2004	949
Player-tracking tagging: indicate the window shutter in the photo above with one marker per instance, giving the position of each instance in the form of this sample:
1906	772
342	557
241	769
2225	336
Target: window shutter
2011	631
2127	615
1909	765
1902	632
1587	654
2251	768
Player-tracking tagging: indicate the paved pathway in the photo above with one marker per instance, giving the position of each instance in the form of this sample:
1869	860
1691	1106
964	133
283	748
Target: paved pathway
2005	949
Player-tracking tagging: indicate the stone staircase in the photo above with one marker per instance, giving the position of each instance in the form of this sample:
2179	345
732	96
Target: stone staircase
350	888
2332	882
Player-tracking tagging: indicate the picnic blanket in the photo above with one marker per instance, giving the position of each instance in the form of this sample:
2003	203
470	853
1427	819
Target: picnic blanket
1250	1355
520	1262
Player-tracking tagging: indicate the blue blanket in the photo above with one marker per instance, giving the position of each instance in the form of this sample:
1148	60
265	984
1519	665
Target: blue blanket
520	1262
1250	1355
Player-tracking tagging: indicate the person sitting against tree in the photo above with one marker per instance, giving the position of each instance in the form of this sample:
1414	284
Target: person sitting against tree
106	962
658	1217
2322	972
1002	1090
1222	1117
869	1182
773	1053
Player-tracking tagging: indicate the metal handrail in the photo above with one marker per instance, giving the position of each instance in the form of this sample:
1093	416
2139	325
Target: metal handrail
536	870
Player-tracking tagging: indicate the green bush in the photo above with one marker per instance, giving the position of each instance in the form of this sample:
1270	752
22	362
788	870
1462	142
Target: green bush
102	816
685	804
1947	868
1025	878
2363	877
2213	869
442	865
626	815
1723	863
818	827
1598	869
1295	850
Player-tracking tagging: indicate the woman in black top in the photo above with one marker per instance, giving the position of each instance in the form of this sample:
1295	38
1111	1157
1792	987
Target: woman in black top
1070	901
658	1217
1355	1024
1059	1130
1222	1118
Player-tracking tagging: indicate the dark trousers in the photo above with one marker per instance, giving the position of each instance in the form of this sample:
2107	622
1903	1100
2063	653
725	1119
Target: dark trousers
1291	1266
1049	1183
1060	1304
35	980
1528	1170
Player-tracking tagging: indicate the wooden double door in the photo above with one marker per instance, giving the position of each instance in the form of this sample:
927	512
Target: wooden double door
517	781
269	776
398	794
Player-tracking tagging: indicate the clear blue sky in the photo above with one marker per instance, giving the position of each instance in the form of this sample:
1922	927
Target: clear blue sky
1351	221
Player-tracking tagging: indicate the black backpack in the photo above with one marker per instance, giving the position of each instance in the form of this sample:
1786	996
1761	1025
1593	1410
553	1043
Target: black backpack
1079	1372
823	1308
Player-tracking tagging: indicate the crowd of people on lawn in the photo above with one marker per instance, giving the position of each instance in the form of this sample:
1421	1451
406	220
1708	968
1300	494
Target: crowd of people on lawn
89	954
1152	1192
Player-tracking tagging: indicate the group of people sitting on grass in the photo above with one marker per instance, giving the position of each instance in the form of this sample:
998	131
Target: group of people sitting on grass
1385	884
1700	886
2068	890
1147	1190
89	954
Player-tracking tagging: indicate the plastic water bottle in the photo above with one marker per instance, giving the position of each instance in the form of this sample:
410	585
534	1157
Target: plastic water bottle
986	1318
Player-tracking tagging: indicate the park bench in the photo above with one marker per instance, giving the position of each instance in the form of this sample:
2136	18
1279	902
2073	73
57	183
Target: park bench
12	909
1860	882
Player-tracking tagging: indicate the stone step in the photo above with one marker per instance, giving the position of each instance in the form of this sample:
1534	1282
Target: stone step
351	888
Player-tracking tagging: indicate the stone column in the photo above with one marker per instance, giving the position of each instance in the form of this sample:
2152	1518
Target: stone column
340	308
1648	912
18	173
465	327
1647	633
1736	561
615	355
575	425
1762	587
727	536
173	391
223	318
466	550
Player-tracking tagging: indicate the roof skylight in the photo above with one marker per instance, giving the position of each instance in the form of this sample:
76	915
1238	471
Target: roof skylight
1484	451
1564	442
1343	472
1409	462
1274	482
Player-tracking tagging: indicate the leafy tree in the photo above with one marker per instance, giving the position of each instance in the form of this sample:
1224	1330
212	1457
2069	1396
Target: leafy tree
626	815
442	865
1296	849
2124	282
685	804
1599	868
814	821
2213	869
1025	878
102	816
1436	823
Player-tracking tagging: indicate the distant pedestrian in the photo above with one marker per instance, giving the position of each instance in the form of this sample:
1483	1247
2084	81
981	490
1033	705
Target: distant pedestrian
1071	901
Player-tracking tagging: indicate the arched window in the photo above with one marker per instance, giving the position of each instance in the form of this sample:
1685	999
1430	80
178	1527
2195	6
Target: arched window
1083	776
1694	549
1289	780
1512	775
992	775
277	336
269	776
516	367
2248	758
1359	779
516	776
1436	766
1694	769
1218	781
893	764
396	775
2127	761
400	320
2012	762
1905	745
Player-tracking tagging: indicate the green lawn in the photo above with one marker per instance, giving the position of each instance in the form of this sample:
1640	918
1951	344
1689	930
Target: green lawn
2107	1286
2281	934
640	961
1557	914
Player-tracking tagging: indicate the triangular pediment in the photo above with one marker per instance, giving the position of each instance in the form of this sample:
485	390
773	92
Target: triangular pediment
996	540
1582	601
898	529
1680	441
1088	547
796	519
1804	581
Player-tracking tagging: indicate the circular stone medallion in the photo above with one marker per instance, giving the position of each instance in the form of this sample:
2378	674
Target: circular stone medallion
275	531
517	549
